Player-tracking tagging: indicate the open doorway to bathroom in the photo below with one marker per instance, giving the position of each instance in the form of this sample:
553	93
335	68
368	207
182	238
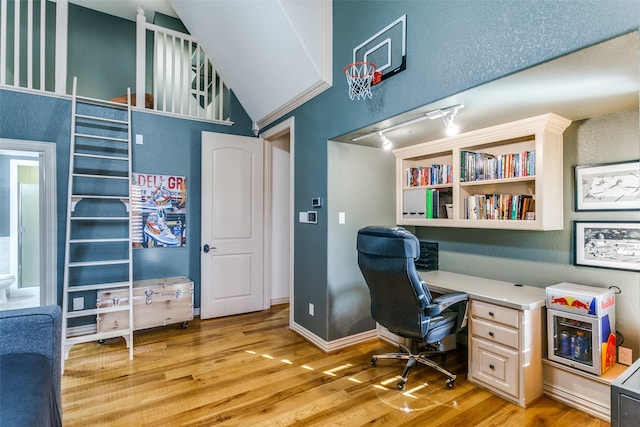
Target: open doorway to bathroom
27	224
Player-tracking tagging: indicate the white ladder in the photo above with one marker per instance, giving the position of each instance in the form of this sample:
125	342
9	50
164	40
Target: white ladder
98	250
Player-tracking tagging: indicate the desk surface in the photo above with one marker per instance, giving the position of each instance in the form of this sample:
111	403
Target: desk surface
507	294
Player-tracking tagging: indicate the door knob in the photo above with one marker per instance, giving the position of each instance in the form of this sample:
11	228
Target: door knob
205	248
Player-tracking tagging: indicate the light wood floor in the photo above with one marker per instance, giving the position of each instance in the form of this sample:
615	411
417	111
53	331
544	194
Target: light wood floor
251	370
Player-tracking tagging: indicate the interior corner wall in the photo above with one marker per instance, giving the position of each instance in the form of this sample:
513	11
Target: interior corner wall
451	46
362	187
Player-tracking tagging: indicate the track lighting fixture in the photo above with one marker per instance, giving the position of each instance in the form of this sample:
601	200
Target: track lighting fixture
447	114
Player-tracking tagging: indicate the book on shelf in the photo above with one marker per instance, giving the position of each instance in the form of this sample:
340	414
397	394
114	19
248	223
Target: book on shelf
498	206
422	176
478	166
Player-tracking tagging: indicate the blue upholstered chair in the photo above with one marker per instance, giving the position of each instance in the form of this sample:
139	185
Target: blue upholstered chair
401	301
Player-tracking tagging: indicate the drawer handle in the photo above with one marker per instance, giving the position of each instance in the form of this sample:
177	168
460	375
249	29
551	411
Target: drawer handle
491	334
491	313
492	367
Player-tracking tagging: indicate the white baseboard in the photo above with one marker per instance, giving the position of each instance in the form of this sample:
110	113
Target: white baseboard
280	301
328	346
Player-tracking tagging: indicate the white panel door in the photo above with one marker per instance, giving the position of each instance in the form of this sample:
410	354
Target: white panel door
232	279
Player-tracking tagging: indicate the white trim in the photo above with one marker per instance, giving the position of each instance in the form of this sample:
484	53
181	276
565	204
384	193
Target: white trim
328	346
278	301
285	126
48	217
62	28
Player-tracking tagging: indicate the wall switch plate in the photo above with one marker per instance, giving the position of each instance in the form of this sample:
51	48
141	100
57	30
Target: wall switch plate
303	217
78	303
311	309
625	356
341	218
139	139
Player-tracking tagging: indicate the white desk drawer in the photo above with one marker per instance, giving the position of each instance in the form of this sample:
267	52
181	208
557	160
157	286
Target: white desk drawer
495	313
495	366
494	332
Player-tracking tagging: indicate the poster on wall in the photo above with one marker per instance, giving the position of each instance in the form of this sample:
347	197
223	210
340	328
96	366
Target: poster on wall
158	210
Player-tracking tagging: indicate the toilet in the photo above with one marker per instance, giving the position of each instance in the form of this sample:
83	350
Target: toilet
6	280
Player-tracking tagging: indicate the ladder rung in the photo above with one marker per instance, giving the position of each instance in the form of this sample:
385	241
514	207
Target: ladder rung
100	156
102	119
95	196
110	240
86	175
94	101
105	138
99	218
97	263
97	287
95	311
97	336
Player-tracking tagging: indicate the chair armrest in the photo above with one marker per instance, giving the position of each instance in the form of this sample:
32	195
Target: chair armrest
441	303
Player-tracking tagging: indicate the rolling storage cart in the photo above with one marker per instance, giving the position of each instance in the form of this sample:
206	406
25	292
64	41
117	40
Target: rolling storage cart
156	302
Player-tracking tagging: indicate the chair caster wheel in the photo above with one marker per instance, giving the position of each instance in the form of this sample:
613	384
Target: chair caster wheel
101	342
185	325
450	383
400	385
374	362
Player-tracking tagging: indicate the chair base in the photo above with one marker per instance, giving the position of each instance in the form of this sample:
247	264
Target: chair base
420	357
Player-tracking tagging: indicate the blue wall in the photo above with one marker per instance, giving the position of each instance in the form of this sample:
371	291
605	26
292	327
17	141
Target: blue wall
171	147
452	45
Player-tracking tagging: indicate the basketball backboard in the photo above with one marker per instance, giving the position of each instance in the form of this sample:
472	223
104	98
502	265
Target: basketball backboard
386	49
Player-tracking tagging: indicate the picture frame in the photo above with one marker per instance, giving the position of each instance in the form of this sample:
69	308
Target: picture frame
607	244
608	187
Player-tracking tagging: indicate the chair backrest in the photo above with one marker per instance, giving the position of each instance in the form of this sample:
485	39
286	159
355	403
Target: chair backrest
386	259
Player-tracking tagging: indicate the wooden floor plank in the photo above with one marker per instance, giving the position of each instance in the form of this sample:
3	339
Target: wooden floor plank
252	370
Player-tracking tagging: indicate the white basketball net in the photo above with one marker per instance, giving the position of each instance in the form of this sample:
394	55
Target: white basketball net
359	76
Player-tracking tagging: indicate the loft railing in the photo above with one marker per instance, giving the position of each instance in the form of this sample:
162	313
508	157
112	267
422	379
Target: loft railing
33	55
184	78
26	40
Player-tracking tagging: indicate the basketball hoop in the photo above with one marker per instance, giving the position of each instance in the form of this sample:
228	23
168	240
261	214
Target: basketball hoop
360	77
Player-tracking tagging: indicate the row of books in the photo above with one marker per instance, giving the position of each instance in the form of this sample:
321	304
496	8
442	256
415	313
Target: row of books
499	207
428	175
483	166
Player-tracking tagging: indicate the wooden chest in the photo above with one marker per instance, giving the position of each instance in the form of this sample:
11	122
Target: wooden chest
156	302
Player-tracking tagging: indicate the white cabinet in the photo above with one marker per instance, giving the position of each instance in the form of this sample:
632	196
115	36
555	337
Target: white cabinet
505	351
491	176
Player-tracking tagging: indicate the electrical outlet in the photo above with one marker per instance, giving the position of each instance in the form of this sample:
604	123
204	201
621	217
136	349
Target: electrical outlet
311	309
625	356
78	303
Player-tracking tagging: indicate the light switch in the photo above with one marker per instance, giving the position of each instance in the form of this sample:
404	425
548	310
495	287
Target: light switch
341	218
139	139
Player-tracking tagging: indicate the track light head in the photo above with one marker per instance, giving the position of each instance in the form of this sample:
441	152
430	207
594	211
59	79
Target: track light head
386	143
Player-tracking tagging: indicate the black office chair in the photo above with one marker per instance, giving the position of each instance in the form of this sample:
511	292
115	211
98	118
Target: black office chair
401	301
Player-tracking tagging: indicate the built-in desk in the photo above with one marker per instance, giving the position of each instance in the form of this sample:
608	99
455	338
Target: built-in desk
505	333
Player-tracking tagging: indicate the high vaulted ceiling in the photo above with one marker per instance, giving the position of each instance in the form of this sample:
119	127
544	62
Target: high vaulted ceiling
274	54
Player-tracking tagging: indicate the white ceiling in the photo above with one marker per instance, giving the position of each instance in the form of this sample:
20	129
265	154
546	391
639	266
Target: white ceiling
274	54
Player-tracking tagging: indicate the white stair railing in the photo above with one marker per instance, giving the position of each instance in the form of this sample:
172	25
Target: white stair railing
185	81
23	42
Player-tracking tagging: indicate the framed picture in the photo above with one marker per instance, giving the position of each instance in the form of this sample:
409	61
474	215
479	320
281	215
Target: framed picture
608	187
607	244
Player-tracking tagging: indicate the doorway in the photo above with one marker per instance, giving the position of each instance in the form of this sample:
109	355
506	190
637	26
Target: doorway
279	213
27	224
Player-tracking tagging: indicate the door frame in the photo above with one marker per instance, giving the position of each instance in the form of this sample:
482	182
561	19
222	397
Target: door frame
48	213
286	126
